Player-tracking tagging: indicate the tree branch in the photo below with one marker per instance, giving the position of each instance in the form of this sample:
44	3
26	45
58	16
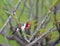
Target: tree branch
49	30
3	27
39	27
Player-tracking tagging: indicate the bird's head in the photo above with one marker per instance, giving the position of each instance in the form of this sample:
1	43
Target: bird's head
25	26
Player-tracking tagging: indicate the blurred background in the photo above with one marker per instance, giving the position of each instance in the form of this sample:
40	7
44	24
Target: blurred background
33	11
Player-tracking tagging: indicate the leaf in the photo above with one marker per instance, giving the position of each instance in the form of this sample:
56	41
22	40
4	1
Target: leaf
40	32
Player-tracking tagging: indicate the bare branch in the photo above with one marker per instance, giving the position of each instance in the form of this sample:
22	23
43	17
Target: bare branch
42	7
1	30
40	26
36	16
11	2
23	7
25	38
17	5
13	12
31	14
37	8
10	37
9	17
19	41
15	37
49	30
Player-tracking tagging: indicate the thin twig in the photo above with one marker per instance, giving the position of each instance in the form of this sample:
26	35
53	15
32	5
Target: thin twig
37	9
11	2
3	27
49	30
13	12
24	35
42	7
31	14
17	5
23	7
36	16
39	27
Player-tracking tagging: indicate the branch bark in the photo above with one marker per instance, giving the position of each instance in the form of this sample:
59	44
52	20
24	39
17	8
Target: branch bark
49	30
40	25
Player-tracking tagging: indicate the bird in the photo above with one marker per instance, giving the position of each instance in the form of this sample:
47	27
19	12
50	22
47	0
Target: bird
25	26
22	28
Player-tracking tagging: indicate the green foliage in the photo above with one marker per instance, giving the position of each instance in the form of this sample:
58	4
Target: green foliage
24	17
